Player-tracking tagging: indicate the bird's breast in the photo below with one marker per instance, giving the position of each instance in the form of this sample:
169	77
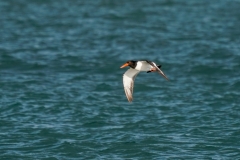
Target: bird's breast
143	66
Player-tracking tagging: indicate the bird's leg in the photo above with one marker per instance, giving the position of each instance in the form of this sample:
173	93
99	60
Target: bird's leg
152	70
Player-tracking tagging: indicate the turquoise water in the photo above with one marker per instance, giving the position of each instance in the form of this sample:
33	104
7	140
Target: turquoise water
61	85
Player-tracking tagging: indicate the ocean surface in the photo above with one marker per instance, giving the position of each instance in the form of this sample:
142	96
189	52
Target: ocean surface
61	88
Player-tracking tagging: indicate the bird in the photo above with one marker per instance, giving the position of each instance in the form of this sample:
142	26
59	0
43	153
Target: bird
136	67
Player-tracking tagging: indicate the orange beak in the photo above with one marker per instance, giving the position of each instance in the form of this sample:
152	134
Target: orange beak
125	65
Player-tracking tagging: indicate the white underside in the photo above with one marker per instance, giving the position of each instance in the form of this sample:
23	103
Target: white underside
143	66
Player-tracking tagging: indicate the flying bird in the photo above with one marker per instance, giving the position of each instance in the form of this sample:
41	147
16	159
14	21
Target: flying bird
136	67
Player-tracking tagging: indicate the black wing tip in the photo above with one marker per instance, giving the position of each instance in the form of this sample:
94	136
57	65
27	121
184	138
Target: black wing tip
129	99
166	78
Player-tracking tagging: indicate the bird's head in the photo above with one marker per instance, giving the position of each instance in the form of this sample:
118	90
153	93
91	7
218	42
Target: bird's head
130	63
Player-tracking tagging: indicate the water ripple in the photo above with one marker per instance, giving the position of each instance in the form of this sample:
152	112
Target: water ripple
61	85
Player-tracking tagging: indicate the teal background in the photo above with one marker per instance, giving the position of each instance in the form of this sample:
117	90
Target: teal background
61	94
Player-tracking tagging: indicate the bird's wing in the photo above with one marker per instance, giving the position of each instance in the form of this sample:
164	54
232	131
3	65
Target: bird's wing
158	69
128	82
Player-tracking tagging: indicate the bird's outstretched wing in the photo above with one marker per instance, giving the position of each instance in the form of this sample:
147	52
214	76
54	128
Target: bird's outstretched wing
158	69
128	82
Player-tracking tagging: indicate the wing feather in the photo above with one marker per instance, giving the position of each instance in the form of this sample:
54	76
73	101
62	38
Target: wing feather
158	69
128	82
